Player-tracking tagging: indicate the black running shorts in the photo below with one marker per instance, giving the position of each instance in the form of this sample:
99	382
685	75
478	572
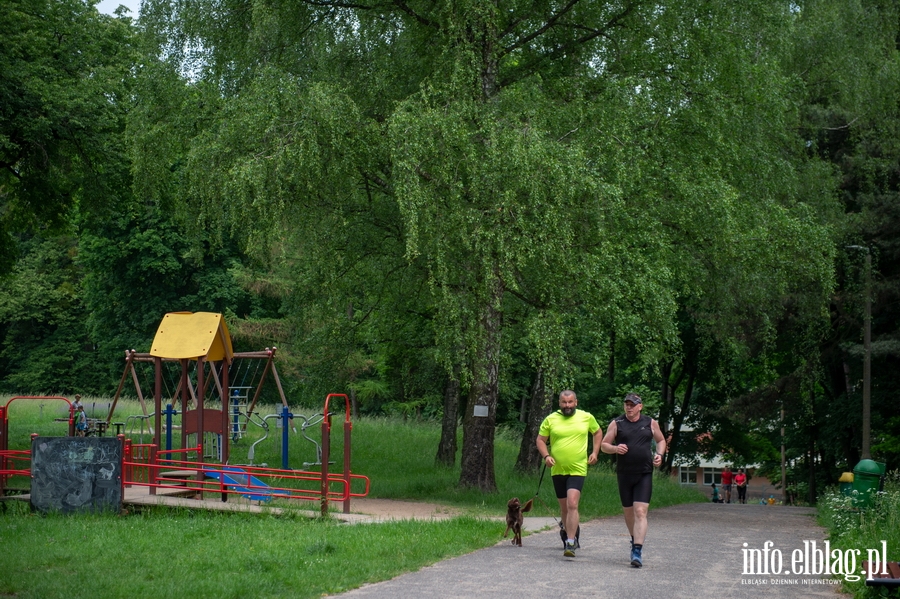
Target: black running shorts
635	487
563	482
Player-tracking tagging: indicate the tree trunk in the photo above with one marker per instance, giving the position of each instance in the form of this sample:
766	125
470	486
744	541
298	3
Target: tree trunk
813	434
354	402
446	454
354	405
690	369
811	472
480	417
541	404
612	358
850	449
477	459
666	409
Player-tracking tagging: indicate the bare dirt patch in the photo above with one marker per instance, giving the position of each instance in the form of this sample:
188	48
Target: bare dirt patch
394	508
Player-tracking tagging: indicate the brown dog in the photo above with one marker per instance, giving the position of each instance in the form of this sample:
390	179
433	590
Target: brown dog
514	519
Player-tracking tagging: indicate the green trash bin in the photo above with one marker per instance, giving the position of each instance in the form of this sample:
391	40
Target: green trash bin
867	481
845	483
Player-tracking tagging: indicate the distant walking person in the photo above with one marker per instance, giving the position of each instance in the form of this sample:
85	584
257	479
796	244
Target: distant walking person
629	437
727	476
80	422
562	442
740	481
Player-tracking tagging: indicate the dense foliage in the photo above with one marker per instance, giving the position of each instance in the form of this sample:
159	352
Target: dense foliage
434	206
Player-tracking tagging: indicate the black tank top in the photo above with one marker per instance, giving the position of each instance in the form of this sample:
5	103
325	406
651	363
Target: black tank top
637	436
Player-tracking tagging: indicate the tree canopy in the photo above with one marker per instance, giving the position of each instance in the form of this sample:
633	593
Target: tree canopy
62	104
461	208
595	163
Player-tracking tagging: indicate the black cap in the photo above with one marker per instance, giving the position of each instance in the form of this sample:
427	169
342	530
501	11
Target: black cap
633	398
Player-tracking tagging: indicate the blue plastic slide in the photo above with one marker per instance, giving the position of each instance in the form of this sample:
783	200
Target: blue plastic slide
239	480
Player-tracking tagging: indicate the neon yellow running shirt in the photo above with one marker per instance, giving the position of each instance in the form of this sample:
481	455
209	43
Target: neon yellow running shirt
569	441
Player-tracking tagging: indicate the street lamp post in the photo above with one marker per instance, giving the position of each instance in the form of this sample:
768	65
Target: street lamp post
867	360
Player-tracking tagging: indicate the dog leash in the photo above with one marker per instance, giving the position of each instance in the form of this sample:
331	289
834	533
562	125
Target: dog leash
541	480
537	494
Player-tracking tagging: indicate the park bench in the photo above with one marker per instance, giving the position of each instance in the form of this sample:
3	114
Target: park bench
891	579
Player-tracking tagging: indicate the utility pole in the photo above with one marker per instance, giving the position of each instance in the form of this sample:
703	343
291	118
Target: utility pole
867	364
783	473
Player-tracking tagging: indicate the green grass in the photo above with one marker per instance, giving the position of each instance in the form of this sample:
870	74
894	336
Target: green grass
400	462
852	528
165	553
158	552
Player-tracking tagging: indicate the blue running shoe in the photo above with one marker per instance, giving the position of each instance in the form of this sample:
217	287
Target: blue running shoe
636	557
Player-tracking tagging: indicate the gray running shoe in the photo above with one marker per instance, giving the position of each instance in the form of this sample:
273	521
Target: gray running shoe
565	537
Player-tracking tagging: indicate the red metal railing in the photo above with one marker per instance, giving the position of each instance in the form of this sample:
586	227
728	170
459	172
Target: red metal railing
9	459
144	464
142	467
189	476
9	466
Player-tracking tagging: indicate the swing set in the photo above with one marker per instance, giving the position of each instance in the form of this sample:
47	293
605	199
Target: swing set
193	365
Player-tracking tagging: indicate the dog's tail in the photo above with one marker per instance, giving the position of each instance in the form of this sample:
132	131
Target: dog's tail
527	506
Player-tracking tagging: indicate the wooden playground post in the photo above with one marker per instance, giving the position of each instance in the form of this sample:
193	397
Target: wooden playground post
326	452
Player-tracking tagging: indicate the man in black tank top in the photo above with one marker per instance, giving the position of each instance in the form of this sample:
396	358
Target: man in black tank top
629	437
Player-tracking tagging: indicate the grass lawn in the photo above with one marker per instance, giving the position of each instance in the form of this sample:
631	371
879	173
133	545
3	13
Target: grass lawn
162	553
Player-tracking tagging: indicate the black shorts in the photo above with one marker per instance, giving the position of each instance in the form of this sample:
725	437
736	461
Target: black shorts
563	482
635	487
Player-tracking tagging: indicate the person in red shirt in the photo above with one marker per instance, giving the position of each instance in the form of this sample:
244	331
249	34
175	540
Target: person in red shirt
740	481
726	483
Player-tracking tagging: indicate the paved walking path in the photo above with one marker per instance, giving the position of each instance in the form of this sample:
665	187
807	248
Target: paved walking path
694	550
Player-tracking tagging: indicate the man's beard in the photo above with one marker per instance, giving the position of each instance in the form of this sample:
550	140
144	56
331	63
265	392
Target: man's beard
567	411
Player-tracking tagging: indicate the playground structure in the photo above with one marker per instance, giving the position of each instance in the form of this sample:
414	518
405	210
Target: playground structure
15	462
200	339
189	389
199	344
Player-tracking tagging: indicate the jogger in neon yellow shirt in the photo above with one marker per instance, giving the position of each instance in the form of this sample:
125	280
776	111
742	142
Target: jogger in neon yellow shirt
562	443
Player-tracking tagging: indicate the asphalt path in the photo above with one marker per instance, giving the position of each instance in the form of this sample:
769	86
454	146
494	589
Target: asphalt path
700	550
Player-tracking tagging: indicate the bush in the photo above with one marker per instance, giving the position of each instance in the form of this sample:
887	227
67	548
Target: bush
850	527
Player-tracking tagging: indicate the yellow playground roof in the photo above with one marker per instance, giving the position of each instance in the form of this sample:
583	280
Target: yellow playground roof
192	335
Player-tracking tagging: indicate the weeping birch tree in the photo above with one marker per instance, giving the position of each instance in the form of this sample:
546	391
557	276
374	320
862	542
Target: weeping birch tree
586	163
